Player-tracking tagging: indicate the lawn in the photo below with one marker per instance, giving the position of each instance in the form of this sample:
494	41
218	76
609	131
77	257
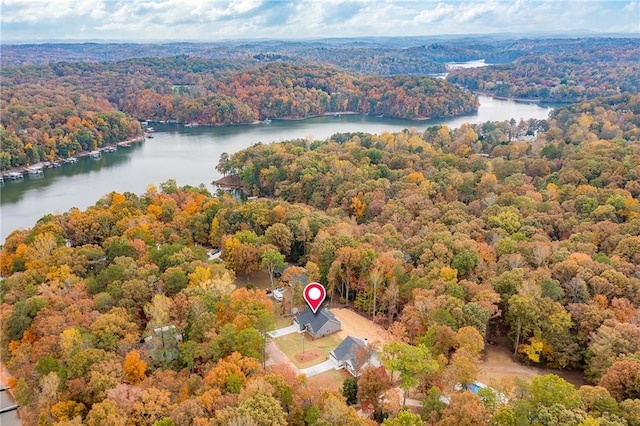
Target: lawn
282	322
291	344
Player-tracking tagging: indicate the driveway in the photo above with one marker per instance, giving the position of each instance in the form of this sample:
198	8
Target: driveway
276	356
284	331
318	368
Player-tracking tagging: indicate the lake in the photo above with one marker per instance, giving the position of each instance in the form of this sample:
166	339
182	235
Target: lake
189	155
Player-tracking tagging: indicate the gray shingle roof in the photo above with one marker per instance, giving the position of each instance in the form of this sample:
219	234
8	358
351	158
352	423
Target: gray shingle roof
315	321
348	349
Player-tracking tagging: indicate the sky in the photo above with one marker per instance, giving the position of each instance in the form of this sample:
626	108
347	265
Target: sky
211	20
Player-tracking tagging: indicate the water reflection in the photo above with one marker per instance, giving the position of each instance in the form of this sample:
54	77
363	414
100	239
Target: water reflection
189	155
14	190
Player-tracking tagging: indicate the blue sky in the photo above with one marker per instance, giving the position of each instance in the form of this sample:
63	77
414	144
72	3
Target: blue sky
210	20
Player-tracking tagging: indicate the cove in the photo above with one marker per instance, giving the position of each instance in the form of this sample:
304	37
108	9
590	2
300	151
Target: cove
189	155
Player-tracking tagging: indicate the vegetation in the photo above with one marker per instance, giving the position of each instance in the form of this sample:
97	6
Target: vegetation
530	230
572	71
59	109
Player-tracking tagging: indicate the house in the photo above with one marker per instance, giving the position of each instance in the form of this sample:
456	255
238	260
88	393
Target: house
354	355
163	343
320	324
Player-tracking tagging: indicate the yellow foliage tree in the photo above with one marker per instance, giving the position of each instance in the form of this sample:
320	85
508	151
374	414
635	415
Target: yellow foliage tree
533	349
134	368
415	177
154	210
358	206
67	410
70	341
199	275
117	198
448	274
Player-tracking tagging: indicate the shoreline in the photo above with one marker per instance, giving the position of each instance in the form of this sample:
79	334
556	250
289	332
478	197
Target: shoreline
520	100
325	114
48	164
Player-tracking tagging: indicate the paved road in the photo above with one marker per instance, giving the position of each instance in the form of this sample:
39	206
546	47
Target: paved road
318	368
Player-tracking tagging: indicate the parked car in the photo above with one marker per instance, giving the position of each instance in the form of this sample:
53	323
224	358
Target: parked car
214	254
278	294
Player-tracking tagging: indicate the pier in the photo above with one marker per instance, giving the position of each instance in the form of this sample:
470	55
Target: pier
9	408
35	170
14	175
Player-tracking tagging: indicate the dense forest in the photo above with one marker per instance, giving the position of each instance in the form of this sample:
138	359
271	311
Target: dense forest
53	109
523	233
60	109
567	73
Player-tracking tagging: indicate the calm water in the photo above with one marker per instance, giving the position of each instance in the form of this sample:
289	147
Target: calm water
11	418
189	155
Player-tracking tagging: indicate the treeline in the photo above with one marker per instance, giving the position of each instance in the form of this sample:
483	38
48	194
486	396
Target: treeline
59	109
574	73
114	315
376	56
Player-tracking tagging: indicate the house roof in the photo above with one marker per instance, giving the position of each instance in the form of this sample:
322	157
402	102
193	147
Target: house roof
348	349
316	321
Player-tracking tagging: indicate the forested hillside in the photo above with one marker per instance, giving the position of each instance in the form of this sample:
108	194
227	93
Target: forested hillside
568	72
526	233
60	109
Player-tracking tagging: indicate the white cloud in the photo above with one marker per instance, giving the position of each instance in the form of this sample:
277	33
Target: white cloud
216	19
467	12
33	11
441	11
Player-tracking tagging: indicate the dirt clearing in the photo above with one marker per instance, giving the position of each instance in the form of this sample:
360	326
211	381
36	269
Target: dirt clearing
498	365
361	328
308	355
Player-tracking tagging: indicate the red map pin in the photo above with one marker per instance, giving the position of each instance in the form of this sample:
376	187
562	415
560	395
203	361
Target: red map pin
314	295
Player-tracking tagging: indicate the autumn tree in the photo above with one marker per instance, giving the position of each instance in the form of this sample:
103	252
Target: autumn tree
273	261
134	368
412	362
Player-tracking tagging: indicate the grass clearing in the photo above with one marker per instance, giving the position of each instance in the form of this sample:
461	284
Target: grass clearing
258	280
291	344
282	322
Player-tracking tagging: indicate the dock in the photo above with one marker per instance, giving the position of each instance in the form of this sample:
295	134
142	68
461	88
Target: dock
35	170
127	144
95	155
14	175
9	408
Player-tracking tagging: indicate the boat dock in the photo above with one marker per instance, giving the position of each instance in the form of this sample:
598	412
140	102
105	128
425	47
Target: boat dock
127	144
35	170
14	175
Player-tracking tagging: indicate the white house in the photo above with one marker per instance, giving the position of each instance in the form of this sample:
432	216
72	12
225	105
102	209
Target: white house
354	355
